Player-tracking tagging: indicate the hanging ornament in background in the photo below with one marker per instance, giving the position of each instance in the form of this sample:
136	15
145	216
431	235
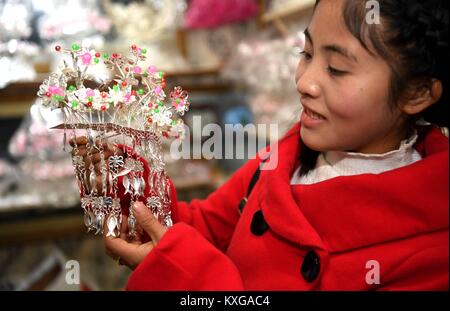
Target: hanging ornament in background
129	109
265	67
151	20
67	21
213	13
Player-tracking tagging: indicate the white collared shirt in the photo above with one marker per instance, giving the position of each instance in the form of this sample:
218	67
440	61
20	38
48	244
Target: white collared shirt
332	164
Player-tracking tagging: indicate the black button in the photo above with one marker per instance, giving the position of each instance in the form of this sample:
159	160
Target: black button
310	266
259	224
242	205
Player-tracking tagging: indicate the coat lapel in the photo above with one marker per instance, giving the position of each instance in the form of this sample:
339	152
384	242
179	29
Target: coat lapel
276	199
356	211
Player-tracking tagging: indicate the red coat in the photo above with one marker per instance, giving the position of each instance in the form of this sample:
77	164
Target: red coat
311	237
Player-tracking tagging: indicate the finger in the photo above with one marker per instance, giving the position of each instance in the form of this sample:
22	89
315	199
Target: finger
81	151
137	237
94	158
139	230
117	247
141	252
94	150
80	140
130	254
99	181
86	158
114	149
98	167
97	156
99	144
124	227
87	162
148	222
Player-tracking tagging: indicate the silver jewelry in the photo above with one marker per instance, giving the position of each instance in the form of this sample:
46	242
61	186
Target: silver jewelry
132	106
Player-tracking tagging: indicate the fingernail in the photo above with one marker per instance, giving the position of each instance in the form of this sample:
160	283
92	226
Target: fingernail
137	207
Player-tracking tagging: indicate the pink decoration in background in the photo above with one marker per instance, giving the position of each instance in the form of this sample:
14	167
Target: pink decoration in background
99	22
213	13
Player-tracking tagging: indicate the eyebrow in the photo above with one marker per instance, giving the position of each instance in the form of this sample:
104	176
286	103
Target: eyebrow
333	48
340	50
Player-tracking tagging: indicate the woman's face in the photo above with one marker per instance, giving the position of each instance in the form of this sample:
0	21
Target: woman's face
344	89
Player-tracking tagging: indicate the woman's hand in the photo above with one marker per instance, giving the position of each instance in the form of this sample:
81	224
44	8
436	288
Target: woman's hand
131	253
95	158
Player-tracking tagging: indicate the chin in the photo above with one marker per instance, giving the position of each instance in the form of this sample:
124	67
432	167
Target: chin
313	141
320	142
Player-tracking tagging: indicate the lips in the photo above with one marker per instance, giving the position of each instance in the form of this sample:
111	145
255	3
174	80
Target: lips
312	114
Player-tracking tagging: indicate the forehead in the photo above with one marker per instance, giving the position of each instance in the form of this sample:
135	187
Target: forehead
328	26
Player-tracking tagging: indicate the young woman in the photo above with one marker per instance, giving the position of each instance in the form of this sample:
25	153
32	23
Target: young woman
359	198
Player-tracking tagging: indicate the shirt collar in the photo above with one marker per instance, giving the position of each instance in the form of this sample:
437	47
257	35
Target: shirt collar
361	163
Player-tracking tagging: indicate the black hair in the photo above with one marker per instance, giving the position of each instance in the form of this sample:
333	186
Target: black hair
413	38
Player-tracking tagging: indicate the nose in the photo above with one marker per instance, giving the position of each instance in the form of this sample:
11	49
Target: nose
308	81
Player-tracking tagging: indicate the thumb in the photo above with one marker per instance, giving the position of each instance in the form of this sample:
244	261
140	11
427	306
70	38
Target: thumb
148	222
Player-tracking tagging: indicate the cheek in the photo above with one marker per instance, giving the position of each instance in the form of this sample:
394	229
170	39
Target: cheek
299	71
349	103
359	102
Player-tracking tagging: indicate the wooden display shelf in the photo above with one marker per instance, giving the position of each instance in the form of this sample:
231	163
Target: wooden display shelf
278	17
291	8
37	225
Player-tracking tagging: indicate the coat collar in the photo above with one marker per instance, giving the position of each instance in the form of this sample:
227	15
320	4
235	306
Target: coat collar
355	211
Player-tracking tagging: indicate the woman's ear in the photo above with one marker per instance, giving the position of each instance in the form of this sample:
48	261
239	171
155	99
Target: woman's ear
422	98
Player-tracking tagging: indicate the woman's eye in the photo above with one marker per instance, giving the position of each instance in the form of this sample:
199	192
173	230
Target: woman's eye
336	72
305	55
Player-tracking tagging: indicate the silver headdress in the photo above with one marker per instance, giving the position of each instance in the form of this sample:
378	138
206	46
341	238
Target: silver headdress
129	110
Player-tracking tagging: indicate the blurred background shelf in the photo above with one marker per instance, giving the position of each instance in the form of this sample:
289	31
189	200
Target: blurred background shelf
290	8
36	225
237	65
